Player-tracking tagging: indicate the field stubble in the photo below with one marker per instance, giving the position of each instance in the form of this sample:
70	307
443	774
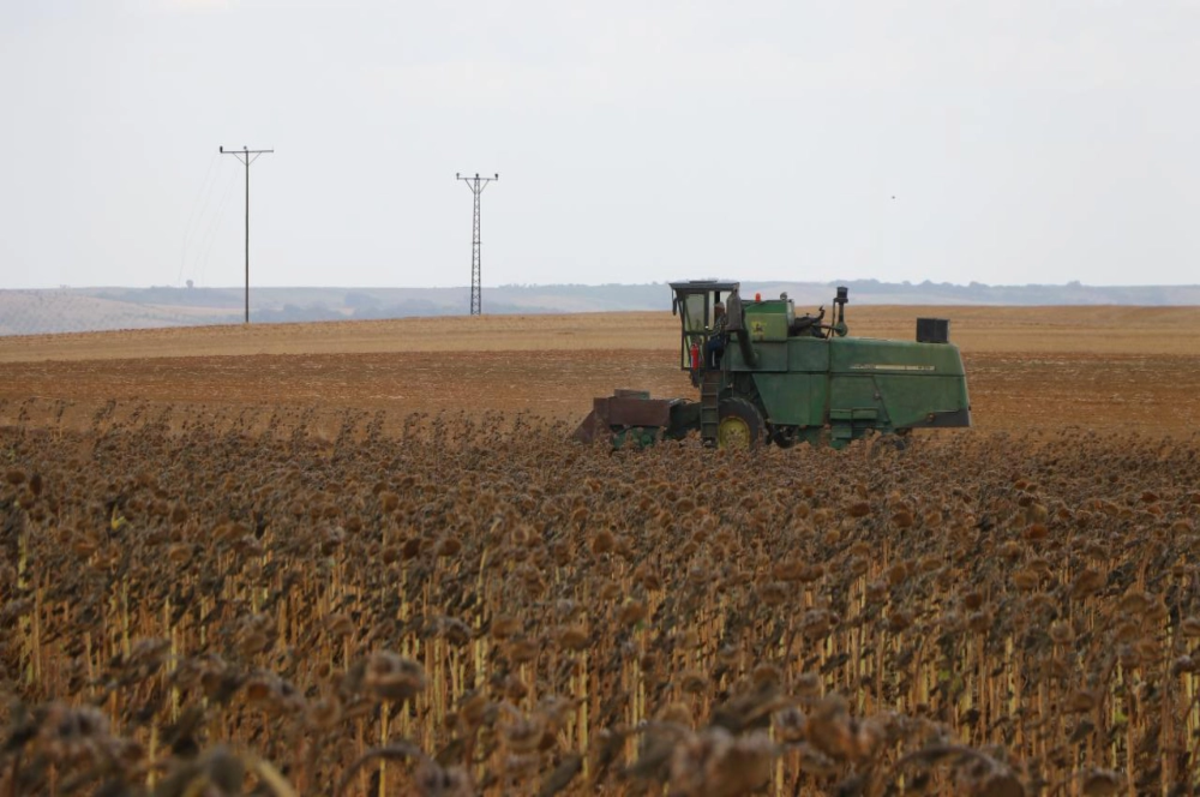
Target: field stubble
1028	368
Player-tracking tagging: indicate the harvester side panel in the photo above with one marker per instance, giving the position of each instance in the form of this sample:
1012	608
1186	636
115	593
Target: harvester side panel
808	354
914	383
793	399
868	355
856	384
854	398
924	400
772	356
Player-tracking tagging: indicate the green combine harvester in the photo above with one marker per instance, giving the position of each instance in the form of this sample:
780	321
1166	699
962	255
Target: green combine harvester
771	376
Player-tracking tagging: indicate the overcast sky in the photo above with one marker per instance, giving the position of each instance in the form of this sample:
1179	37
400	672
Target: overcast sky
1000	141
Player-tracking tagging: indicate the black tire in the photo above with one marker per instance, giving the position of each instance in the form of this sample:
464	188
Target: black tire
783	436
741	425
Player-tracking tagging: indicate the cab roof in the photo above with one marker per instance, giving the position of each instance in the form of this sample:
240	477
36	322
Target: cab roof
700	286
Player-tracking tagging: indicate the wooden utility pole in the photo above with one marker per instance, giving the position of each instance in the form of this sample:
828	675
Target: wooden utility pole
246	156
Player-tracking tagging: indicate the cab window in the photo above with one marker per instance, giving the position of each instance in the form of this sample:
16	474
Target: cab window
695	312
694	309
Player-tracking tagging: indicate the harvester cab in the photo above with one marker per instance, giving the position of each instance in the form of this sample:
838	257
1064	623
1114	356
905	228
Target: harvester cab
785	379
695	302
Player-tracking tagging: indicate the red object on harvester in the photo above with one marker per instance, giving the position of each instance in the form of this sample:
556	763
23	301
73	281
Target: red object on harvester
758	297
695	351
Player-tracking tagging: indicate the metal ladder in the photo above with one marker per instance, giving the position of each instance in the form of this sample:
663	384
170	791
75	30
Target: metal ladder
710	388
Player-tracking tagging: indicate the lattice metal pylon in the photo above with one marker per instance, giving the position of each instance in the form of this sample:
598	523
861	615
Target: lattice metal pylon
476	184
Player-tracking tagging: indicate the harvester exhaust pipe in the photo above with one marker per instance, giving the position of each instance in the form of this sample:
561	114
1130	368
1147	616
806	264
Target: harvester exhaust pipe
843	296
735	324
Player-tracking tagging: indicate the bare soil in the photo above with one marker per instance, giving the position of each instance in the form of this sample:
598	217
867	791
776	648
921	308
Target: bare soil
1099	368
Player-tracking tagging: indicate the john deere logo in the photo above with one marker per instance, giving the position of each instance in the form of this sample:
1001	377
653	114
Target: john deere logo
756	327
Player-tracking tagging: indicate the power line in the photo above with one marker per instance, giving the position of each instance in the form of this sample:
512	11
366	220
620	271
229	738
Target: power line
205	187
476	184
200	261
246	156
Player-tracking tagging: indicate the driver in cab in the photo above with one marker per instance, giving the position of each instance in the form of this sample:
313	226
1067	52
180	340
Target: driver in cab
714	347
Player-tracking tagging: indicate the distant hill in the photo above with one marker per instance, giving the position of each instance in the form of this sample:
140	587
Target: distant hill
29	312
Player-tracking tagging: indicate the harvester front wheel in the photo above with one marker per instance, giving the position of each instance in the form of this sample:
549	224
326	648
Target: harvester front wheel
741	425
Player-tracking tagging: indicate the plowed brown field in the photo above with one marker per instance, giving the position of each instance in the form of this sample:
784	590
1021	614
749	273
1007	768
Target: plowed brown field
1028	368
